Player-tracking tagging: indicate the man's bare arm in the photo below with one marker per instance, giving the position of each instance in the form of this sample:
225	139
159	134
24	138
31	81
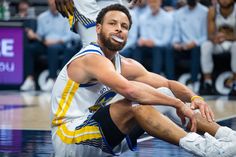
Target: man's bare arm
211	24
135	71
98	67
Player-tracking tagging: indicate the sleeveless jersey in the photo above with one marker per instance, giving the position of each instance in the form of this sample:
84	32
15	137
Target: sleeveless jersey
73	101
225	25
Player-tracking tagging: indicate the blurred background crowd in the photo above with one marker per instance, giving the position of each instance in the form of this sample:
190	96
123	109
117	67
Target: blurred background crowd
192	41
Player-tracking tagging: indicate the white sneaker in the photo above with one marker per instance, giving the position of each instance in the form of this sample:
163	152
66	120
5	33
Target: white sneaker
48	86
28	85
208	146
226	133
219	147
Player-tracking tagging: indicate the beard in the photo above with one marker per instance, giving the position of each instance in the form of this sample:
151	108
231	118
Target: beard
109	44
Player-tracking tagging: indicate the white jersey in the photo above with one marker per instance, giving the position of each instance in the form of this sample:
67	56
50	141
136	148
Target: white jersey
74	101
86	11
225	24
90	8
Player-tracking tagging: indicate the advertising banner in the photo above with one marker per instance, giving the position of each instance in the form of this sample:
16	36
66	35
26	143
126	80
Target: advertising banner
11	55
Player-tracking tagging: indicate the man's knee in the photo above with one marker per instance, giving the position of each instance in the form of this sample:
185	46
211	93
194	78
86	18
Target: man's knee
207	45
166	91
233	48
140	110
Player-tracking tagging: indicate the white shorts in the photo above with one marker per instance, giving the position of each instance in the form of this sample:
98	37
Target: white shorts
91	138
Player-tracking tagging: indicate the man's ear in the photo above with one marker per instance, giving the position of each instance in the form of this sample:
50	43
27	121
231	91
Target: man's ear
98	28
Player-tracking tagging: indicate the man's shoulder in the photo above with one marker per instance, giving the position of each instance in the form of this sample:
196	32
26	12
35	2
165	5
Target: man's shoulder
44	14
91	48
181	11
202	7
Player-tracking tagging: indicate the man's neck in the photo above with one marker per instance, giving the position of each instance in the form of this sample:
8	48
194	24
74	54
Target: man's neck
108	53
192	7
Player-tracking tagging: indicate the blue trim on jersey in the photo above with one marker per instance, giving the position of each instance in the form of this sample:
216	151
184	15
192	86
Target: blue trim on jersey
92	43
87	85
90	50
90	25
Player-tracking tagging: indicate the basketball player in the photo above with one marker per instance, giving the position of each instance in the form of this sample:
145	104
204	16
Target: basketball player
221	39
81	127
82	15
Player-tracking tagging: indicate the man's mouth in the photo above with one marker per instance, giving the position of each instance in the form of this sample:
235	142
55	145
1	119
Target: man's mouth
118	39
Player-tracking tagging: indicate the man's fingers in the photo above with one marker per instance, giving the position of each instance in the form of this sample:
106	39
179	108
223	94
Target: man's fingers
61	7
134	2
209	114
212	114
183	120
58	5
193	125
193	106
202	110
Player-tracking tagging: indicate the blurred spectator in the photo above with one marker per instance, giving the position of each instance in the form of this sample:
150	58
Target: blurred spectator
189	33
169	5
180	3
221	39
130	48
53	37
155	35
208	3
22	9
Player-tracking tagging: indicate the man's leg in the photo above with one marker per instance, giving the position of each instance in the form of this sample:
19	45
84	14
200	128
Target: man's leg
157	59
233	67
195	67
169	63
202	124
207	64
126	117
53	52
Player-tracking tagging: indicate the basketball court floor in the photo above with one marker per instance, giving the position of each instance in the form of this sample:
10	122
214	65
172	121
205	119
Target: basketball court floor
25	127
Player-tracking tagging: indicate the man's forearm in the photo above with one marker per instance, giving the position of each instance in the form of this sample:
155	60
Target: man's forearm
147	95
181	91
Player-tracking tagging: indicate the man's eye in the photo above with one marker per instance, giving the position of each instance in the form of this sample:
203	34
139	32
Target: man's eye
125	27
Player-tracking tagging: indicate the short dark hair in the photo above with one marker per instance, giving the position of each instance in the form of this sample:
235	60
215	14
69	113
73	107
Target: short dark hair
113	7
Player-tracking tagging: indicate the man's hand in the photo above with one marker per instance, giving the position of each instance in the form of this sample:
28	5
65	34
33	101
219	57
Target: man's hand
206	111
65	7
52	42
132	3
185	111
219	38
189	45
177	46
31	34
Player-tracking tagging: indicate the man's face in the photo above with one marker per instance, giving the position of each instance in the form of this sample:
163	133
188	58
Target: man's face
52	6
226	3
154	5
192	3
113	31
23	7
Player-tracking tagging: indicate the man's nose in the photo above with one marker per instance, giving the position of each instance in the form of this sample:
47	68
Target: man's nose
118	27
